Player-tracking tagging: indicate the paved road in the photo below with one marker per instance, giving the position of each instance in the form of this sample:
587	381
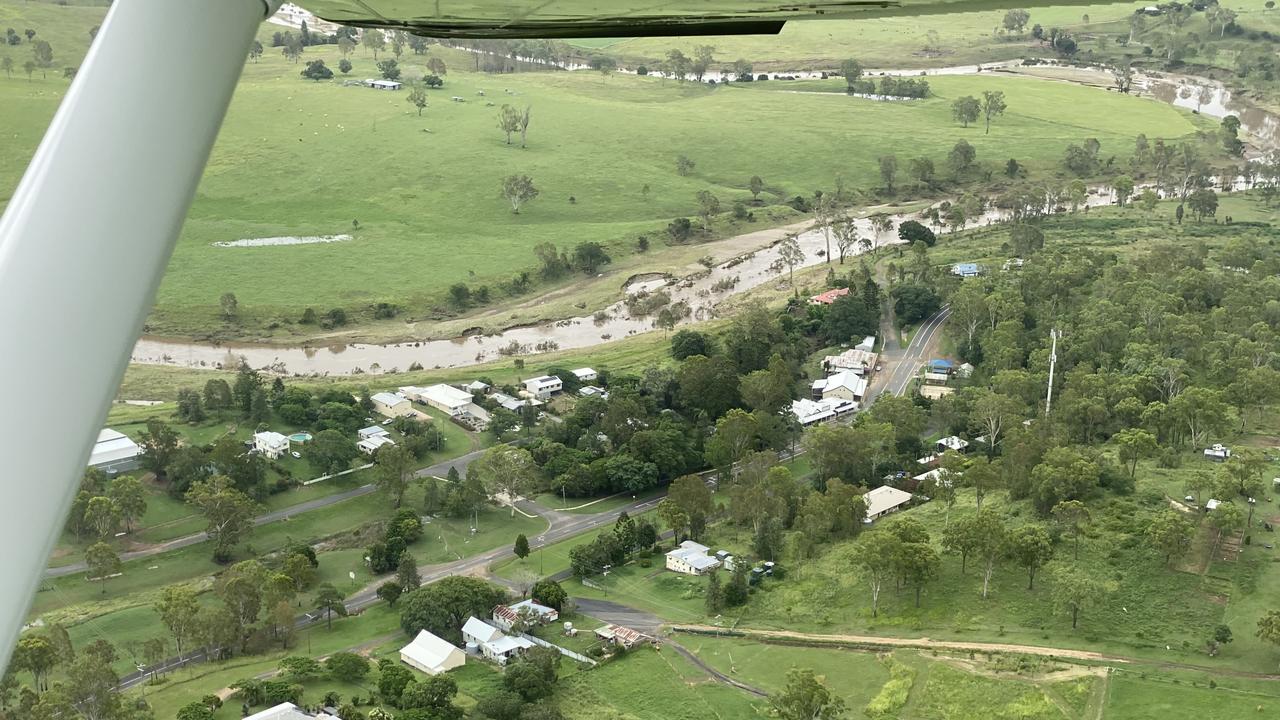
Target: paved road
439	469
901	364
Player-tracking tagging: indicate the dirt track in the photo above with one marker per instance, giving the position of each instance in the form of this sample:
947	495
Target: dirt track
910	642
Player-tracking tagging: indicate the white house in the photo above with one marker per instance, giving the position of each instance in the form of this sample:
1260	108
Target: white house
846	385
371	432
513	404
884	500
691	558
808	412
270	444
432	654
586	375
286	711
369	446
951	443
543	386
392	405
447	398
115	452
491	642
383	84
868	344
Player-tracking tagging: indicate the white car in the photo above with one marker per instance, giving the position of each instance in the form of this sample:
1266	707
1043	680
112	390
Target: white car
296	454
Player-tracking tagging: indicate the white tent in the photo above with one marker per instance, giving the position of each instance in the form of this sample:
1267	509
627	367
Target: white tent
432	654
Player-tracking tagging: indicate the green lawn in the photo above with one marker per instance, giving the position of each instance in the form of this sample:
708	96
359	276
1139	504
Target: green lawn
650	685
855	676
280	127
879	43
1133	697
190	684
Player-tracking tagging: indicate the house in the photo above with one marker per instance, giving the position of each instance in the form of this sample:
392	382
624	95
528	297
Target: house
490	642
543	386
586	375
939	365
372	431
1218	453
392	405
1212	504
369	446
926	478
828	297
933	392
691	559
383	84
287	711
506	616
115	453
951	443
1012	264
936	378
624	636
966	270
593	391
513	404
475	387
270	444
808	412
868	344
884	500
860	362
432	654
846	385
965	370
929	461
447	398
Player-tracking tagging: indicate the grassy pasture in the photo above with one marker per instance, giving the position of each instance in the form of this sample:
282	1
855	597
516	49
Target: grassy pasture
302	158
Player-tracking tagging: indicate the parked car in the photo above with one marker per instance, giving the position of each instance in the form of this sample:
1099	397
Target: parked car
296	454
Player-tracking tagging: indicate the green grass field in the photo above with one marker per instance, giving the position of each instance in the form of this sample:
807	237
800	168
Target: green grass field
880	43
301	158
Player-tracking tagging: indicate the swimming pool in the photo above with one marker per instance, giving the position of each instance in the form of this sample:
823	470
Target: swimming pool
300	437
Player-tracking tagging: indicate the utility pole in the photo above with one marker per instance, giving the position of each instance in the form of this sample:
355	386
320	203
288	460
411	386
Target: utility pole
1053	361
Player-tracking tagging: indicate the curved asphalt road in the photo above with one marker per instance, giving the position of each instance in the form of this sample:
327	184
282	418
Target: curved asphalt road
442	468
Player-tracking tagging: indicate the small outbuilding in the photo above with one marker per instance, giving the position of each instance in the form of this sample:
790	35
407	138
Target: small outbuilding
383	84
432	654
624	636
586	375
1218	453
